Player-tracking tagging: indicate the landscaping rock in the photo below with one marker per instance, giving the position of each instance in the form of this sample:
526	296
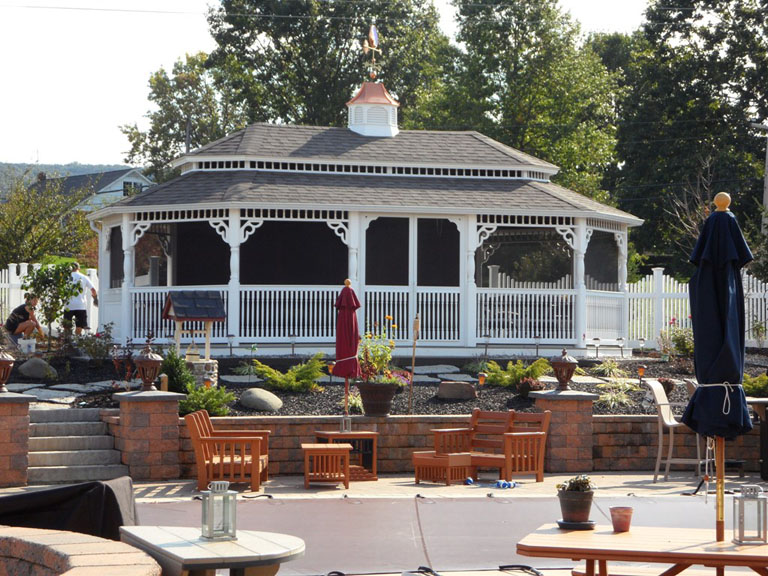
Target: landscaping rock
38	368
435	369
453	390
261	400
239	379
457	377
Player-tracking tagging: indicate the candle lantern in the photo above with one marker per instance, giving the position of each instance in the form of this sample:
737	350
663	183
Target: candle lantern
596	344
564	366
481	376
641	341
6	365
219	521
620	342
148	365
231	340
641	372
750	511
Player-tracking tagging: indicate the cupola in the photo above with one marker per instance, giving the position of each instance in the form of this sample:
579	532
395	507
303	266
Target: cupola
373	111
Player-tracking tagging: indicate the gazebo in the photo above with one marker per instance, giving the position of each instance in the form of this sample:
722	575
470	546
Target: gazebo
469	233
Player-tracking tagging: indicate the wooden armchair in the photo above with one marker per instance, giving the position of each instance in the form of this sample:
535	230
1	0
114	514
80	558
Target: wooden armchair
233	455
525	446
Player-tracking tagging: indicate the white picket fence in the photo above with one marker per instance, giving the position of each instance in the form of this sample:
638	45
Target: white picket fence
12	295
658	302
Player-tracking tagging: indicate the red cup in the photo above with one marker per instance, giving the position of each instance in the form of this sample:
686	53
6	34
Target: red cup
621	516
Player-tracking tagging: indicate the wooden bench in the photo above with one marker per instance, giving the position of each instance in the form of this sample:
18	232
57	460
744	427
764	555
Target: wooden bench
326	462
512	442
232	455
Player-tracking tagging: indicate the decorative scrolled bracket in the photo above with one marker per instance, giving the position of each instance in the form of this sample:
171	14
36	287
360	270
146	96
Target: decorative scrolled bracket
589	236
248	227
621	243
340	229
138	231
483	232
568	235
222	228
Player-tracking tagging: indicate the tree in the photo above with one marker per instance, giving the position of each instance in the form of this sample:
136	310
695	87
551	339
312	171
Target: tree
38	221
54	287
533	87
695	76
298	61
195	105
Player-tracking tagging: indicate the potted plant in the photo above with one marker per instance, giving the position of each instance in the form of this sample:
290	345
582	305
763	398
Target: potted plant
575	497
379	383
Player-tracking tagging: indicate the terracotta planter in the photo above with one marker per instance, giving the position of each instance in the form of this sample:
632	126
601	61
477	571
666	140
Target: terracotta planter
621	517
376	397
575	506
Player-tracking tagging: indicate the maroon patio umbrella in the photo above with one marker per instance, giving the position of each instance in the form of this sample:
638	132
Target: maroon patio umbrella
347	337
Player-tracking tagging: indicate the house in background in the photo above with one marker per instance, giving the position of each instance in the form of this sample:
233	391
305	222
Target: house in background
108	187
460	229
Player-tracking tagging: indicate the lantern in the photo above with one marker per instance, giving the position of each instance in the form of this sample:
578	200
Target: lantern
6	365
481	381
641	372
564	367
219	521
537	341
641	341
148	364
750	510
231	340
596	344
620	342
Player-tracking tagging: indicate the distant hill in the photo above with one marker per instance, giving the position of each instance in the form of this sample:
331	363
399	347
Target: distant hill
9	171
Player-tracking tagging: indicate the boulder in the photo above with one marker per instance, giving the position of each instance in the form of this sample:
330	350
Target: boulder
452	390
38	369
261	400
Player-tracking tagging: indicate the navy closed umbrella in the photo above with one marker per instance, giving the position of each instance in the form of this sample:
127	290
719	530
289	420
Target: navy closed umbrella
718	407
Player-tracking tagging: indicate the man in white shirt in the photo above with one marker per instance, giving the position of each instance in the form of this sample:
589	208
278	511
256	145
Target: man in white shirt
76	309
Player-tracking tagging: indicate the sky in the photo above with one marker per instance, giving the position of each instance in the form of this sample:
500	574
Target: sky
74	71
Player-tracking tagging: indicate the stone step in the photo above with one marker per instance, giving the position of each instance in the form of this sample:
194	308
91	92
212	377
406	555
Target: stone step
67	429
65	415
52	443
73	474
74	458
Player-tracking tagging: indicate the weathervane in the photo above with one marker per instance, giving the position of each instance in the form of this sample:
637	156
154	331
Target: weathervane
371	44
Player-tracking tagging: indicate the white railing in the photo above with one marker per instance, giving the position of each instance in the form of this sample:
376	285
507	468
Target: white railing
383	301
604	314
147	314
298	313
439	312
505	315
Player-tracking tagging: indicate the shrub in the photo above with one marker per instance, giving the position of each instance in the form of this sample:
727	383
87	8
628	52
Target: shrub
668	384
475	367
611	369
355	404
580	483
98	345
213	399
527	385
299	378
682	341
756	386
179	376
616	393
515	372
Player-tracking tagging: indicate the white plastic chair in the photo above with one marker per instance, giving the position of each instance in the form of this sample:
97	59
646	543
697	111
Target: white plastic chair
667	421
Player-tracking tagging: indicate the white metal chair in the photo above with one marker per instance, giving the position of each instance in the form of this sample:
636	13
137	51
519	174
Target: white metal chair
667	421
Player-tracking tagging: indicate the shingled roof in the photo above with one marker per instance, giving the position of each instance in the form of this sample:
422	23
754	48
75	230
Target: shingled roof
194	305
344	145
96	181
369	192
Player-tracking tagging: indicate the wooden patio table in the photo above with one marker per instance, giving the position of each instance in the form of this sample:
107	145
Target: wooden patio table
680	547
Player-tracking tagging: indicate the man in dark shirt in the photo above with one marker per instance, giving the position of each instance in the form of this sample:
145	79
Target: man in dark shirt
21	322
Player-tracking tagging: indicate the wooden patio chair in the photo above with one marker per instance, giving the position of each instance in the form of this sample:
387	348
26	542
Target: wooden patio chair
232	455
525	446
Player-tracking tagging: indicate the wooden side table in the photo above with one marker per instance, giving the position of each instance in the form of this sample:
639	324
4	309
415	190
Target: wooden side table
327	463
363	456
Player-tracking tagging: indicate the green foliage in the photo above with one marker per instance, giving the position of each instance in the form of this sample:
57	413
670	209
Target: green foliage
375	353
40	220
214	399
299	378
53	285
355	403
180	378
98	345
475	367
756	386
580	483
616	393
515	372
758	332
676	340
610	368
245	368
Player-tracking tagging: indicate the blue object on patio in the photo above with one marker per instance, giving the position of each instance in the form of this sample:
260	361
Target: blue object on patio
718	406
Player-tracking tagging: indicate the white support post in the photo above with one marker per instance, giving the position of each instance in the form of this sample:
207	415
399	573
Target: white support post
15	295
493	276
353	249
235	239
621	242
126	327
580	305
93	310
658	303
469	242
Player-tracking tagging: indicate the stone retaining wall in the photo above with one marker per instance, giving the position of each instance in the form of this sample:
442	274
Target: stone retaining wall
36	552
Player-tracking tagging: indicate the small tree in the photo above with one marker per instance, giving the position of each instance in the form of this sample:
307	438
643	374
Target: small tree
54	287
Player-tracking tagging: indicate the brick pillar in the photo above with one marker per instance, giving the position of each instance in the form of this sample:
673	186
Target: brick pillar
569	443
14	438
148	435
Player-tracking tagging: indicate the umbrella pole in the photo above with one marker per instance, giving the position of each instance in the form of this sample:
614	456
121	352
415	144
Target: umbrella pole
346	395
720	469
